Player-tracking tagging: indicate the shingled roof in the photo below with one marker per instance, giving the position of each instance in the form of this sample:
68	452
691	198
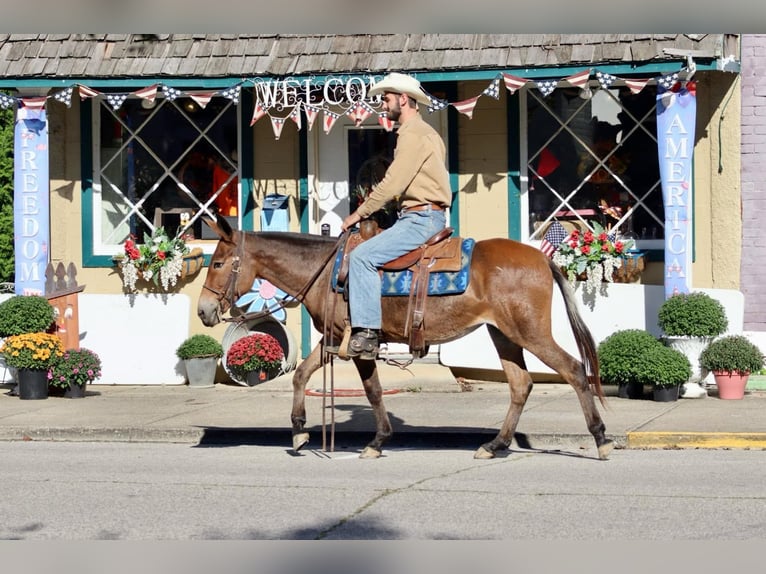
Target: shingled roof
59	56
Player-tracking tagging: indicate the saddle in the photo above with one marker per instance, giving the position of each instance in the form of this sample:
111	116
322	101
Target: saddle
441	252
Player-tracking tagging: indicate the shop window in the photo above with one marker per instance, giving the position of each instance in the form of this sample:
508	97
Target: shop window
163	164
370	152
592	157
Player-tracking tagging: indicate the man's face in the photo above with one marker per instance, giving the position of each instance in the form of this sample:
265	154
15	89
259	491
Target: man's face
391	105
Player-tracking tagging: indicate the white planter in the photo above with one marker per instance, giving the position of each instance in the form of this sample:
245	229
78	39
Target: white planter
692	347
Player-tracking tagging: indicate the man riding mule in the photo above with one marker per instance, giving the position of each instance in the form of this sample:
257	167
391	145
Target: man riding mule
509	288
419	177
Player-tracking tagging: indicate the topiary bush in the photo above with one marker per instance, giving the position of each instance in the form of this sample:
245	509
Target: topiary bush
662	366
618	352
198	346
22	314
694	314
732	354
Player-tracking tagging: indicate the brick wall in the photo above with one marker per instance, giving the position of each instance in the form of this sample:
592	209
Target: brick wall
753	123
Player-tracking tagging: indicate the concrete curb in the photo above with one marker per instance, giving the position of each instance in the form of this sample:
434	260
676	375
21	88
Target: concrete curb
680	440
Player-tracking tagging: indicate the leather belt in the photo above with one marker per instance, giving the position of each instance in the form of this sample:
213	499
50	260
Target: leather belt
424	206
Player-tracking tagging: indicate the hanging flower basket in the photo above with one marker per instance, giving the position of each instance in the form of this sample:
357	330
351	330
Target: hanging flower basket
159	260
192	263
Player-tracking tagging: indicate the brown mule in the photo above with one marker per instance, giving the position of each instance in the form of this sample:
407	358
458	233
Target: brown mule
510	290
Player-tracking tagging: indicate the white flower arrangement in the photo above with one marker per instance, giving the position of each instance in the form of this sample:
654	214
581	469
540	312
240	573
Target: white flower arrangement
159	260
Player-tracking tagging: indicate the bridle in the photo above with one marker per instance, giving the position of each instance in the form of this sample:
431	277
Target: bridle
230	295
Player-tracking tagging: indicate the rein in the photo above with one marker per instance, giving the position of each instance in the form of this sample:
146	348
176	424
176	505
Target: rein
229	291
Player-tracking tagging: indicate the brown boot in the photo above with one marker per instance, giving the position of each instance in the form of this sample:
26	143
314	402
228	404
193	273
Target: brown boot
363	344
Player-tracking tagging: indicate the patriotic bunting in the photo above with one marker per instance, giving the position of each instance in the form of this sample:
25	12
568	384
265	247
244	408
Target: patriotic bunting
466	106
233	93
171	93
148	93
258	112
636	85
295	115
202	98
311	114
668	81
360	112
513	83
579	80
34	103
116	100
86	92
329	120
277	124
493	90
7	101
386	122
436	104
65	96
546	87
605	80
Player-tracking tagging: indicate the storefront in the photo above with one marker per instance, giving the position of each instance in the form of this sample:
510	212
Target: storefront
279	146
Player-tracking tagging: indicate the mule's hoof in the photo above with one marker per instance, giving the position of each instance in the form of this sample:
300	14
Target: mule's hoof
483	453
370	452
605	449
300	440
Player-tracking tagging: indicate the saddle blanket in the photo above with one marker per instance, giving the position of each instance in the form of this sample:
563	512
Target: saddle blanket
439	282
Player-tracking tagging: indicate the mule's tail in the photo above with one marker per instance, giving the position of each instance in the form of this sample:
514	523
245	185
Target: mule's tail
585	342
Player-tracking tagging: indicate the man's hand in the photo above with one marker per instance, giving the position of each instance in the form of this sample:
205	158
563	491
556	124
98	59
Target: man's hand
350	221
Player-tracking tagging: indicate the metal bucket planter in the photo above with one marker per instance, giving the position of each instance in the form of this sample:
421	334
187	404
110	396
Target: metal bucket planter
200	371
270	326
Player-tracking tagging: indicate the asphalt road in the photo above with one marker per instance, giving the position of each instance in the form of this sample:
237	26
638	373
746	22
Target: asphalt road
103	491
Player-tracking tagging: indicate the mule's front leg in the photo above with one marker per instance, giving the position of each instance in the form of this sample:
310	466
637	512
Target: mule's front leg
300	378
368	371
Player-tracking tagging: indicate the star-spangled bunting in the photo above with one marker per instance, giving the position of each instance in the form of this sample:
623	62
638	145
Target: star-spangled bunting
546	87
34	103
202	98
148	93
329	120
466	106
493	90
258	112
668	80
436	104
386	122
579	80
605	80
7	101
513	83
233	93
277	124
86	92
553	238
171	93
65	96
636	85
295	115
360	112
116	100
311	114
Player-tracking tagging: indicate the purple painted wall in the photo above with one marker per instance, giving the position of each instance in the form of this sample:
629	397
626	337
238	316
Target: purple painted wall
753	123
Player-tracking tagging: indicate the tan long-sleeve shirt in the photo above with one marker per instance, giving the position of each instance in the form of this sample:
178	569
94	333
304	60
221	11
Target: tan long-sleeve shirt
418	173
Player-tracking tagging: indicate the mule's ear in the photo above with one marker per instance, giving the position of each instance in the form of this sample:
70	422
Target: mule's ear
221	227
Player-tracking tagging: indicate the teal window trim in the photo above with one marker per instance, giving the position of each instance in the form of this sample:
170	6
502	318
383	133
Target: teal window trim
513	133
246	163
303	214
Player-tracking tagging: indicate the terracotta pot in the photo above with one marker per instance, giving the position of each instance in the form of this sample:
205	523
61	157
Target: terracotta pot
731	385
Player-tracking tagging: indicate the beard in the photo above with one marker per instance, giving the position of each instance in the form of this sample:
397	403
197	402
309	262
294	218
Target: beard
394	112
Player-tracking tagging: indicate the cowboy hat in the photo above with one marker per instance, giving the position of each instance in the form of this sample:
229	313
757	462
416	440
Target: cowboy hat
401	84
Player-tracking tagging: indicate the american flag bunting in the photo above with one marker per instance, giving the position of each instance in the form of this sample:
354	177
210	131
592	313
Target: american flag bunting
605	80
329	120
295	115
386	122
580	79
116	100
553	238
171	93
7	101
34	103
668	81
64	96
86	92
233	93
546	87
636	86
202	98
513	83
436	104
277	124
148	93
466	106
258	112
493	90
311	114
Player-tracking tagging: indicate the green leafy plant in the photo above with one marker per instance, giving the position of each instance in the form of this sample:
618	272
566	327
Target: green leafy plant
75	366
25	314
158	259
31	350
618	353
259	351
695	314
199	345
732	354
662	366
7	261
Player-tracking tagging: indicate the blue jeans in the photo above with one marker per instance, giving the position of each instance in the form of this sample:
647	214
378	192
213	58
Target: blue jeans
411	230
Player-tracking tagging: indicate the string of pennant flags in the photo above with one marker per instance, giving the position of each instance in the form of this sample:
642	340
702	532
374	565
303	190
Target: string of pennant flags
358	111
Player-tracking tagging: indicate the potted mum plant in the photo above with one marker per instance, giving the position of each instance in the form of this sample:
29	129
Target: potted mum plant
74	370
617	357
690	321
255	358
731	359
32	354
25	314
200	354
665	369
591	256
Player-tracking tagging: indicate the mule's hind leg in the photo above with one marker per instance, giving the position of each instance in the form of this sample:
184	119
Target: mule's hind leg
368	371
300	378
520	384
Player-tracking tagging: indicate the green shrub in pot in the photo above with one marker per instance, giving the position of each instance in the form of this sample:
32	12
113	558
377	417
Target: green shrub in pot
732	354
662	366
695	314
22	314
618	352
198	346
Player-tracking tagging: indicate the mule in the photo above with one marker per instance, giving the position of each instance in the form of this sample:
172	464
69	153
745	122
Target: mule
510	290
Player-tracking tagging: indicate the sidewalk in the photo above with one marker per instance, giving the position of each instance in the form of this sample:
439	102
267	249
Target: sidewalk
425	403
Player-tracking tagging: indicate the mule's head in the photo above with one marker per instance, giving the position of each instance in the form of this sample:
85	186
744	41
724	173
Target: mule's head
228	277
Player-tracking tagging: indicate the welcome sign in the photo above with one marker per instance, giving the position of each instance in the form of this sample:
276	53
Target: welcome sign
676	117
31	201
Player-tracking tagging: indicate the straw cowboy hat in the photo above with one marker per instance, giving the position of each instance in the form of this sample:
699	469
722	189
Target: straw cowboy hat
401	84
